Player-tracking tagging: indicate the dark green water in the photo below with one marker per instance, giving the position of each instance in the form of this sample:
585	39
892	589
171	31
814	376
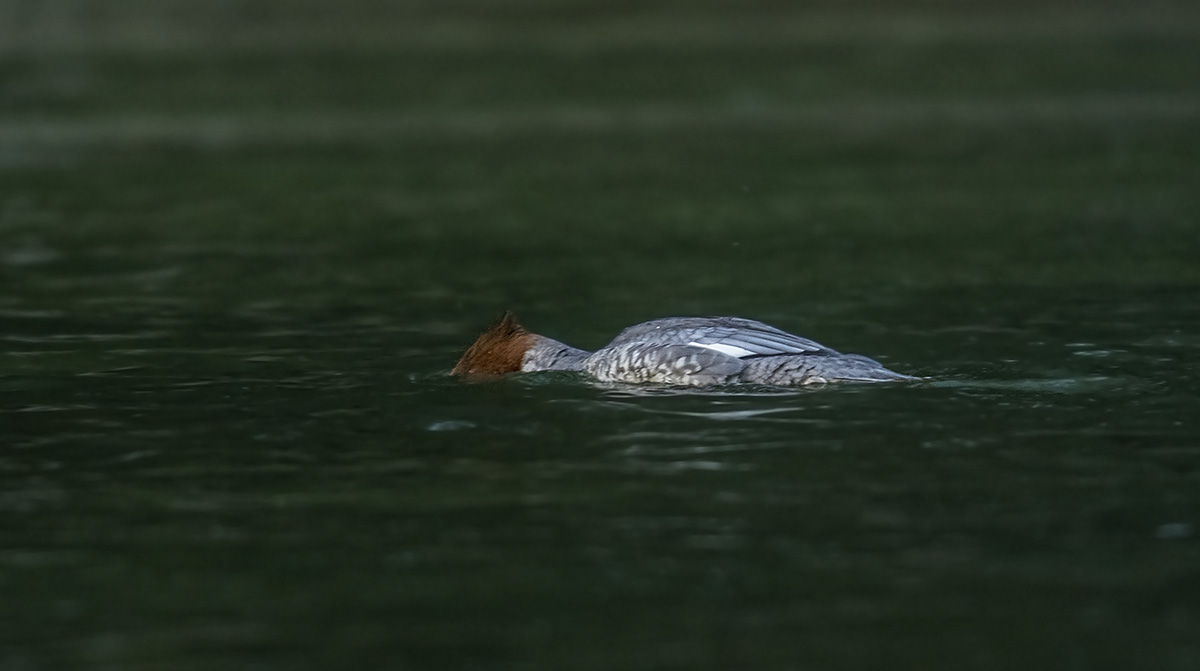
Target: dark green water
241	244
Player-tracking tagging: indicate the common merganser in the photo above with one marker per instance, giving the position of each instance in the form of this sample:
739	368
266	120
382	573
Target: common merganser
677	351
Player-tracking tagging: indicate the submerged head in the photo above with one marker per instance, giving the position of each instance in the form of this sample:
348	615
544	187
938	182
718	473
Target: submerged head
498	351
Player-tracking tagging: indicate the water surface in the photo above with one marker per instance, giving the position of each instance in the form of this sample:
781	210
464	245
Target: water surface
240	253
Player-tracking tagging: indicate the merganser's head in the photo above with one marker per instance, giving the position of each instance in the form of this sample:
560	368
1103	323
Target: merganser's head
498	351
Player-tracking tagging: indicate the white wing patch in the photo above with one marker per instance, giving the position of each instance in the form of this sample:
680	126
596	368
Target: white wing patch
731	350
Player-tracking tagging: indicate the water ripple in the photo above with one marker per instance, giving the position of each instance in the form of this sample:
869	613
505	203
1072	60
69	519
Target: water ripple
1060	385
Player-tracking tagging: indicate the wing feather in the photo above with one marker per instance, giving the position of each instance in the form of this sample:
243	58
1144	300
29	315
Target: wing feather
728	335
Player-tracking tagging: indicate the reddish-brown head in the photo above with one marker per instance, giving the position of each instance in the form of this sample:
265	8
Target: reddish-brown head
500	350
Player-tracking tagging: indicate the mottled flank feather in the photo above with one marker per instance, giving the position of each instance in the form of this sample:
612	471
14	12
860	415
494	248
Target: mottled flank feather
499	351
663	364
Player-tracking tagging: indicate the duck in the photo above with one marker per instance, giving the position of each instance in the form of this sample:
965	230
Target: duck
680	351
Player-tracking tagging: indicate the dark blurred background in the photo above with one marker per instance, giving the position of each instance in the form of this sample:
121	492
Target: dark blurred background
919	143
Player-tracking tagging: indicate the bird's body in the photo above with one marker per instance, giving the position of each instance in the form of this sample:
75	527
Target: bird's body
678	351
